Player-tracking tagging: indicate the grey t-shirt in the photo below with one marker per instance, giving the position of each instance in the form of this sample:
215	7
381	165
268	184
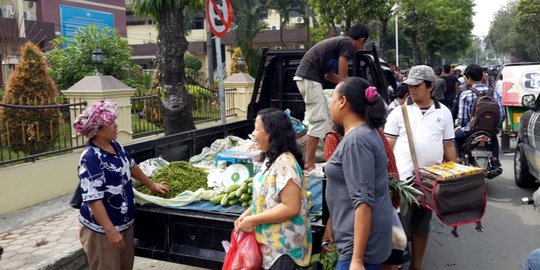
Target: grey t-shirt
357	173
324	57
438	91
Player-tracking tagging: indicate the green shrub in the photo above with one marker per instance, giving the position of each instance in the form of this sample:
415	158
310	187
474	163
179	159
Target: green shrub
30	131
192	63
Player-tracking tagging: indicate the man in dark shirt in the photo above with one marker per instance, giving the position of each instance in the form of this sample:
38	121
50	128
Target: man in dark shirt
318	64
440	86
452	85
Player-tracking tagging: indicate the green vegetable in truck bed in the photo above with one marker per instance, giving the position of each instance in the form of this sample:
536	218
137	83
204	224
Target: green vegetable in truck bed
180	176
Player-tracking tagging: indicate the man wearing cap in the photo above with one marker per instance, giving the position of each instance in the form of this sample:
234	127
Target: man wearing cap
318	64
433	137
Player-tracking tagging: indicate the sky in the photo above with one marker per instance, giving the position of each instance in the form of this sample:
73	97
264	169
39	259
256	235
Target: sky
485	11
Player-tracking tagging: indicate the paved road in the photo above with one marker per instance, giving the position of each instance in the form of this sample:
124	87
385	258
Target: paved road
511	231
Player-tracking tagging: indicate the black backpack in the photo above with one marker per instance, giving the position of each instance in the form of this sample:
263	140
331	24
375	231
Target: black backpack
485	113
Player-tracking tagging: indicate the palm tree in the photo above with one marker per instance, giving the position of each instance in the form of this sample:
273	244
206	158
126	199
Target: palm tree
170	18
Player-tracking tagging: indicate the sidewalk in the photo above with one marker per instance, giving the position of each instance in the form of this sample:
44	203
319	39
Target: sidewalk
46	237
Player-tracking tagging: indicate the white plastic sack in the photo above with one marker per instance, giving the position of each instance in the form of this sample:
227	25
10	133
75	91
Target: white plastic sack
182	199
536	198
399	239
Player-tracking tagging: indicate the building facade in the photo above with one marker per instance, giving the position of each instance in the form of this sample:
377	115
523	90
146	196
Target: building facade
40	21
142	37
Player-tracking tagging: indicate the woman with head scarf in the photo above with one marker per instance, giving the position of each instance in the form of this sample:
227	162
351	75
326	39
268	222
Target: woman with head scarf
108	207
357	178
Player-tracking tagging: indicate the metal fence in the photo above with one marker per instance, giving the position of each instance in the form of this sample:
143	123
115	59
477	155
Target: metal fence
147	111
28	133
146	116
205	103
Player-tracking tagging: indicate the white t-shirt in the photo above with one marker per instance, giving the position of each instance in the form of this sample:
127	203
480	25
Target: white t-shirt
429	130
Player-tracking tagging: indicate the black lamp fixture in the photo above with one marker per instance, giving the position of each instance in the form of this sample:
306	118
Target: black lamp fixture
97	60
241	64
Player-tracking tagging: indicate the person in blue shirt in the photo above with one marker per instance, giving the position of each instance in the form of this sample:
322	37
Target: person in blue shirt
474	75
108	208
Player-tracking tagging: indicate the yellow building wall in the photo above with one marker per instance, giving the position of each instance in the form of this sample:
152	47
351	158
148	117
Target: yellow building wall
31	183
141	34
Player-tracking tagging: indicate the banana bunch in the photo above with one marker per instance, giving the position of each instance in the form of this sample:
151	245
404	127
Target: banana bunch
235	193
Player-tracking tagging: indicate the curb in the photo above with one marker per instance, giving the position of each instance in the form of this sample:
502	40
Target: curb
74	259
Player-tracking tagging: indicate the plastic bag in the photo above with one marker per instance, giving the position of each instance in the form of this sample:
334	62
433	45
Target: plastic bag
399	239
150	166
536	198
244	252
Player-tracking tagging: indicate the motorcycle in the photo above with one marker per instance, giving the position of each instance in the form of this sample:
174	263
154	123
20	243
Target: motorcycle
477	152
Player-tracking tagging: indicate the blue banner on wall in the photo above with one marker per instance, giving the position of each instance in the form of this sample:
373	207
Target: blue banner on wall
71	18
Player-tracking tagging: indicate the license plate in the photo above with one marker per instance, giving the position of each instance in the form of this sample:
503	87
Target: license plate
480	153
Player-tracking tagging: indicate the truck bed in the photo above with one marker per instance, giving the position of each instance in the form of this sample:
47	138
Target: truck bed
189	237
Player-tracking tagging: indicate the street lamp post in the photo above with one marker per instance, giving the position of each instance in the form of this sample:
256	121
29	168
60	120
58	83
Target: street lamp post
394	11
397	40
97	60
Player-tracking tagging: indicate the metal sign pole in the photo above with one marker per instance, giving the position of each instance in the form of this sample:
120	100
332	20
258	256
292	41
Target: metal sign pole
220	76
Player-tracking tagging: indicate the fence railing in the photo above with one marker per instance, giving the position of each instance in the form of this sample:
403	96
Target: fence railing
28	133
147	111
146	116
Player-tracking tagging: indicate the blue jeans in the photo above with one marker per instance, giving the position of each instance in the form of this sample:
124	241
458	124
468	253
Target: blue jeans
345	264
461	136
533	261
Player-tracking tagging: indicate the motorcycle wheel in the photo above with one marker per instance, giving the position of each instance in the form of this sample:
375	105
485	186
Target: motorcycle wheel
522	175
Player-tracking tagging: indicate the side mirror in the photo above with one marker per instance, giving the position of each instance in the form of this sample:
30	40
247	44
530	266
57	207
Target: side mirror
528	101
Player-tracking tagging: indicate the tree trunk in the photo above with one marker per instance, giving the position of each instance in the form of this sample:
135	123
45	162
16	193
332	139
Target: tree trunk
415	49
282	23
307	42
384	37
172	44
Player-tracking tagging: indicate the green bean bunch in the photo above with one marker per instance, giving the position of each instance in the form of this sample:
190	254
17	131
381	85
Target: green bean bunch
180	176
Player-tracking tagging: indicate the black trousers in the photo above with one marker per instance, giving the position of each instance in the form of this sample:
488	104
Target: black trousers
284	263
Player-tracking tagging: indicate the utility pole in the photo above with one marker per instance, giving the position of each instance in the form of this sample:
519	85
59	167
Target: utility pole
209	56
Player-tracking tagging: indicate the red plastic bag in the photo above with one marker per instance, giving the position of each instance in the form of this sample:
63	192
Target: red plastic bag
244	252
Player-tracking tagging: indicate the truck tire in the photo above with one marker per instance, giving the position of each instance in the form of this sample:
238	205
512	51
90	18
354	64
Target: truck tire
522	175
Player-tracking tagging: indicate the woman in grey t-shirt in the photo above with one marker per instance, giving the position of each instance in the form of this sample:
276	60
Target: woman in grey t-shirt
357	190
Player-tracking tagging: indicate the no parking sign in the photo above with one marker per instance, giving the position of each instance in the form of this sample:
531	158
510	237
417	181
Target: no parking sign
219	14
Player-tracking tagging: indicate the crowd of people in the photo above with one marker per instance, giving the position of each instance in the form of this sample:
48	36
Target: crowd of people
365	143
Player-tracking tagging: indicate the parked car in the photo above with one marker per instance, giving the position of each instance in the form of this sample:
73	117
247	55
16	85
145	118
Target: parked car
527	156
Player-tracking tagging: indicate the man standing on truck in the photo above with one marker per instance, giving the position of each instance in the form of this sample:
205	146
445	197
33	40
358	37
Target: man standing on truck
318	64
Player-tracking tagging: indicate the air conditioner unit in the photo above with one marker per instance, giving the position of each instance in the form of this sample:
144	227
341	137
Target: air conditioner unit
8	11
274	27
299	20
27	15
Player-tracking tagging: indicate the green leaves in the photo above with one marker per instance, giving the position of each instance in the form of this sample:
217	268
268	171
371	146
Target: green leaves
328	259
405	191
515	31
70	61
30	131
437	28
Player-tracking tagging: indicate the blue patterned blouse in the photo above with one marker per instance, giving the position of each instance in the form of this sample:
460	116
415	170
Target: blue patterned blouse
106	177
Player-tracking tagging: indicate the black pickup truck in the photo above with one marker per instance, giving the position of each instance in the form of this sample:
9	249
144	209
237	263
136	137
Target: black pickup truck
194	237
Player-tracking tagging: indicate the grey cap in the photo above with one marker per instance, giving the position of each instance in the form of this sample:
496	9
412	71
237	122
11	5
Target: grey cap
418	74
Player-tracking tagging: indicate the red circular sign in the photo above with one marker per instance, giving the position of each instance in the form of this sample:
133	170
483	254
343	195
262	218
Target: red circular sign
219	15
